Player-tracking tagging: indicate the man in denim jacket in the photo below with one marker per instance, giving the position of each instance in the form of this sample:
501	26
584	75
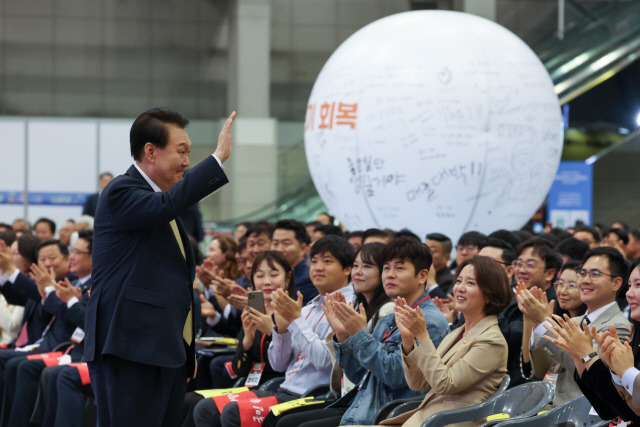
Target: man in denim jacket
374	360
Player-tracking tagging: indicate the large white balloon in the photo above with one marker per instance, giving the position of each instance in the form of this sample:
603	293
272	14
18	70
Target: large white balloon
435	121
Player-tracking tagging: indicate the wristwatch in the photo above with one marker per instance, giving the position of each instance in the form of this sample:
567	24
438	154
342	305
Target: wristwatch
588	357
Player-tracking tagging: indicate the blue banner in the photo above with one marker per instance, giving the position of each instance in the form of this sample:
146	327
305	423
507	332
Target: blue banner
43	198
571	195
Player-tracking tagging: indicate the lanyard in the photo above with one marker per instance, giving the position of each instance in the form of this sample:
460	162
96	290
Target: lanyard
262	348
388	333
309	314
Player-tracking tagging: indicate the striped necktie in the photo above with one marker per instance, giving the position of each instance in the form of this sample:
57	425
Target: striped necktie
187	331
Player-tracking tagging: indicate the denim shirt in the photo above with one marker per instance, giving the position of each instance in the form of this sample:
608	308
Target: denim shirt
382	356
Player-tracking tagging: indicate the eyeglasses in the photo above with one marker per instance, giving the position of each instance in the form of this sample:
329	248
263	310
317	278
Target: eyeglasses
528	265
78	252
468	248
560	285
594	274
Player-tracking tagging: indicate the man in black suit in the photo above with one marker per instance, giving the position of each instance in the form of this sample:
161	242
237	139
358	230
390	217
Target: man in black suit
91	203
22	376
139	341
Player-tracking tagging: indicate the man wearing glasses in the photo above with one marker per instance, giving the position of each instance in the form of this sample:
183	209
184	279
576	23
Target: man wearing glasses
537	264
603	272
469	244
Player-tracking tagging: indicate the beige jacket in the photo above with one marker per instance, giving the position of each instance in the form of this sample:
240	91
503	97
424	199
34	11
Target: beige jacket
460	374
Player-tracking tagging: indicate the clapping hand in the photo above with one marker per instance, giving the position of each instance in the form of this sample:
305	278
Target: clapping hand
338	328
42	277
65	291
618	356
206	308
350	318
411	324
286	308
568	336
443	306
533	304
239	297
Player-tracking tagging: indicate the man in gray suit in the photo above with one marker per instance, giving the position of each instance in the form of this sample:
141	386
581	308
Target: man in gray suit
603	273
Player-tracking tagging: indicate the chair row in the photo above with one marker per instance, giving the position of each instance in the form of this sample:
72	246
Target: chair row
519	406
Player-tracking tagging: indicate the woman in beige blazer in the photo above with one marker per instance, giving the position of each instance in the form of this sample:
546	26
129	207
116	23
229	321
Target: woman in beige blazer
470	363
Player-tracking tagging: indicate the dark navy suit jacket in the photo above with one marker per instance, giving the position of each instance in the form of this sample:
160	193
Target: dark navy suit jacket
142	285
90	205
24	292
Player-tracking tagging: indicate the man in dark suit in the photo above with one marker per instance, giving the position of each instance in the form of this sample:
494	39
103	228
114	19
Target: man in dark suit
139	341
91	203
22	375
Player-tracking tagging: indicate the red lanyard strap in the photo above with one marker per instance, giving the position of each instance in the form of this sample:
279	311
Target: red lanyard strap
388	333
262	348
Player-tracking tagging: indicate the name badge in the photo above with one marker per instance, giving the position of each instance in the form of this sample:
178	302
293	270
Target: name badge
78	335
299	362
551	378
253	379
64	360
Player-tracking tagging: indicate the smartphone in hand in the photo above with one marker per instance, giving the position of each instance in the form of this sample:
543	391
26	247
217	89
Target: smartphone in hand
256	300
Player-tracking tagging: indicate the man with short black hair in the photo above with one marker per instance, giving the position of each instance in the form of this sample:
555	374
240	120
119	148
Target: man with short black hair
258	239
572	249
143	273
603	272
537	265
298	339
616	238
65	232
375	357
440	247
373	235
590	235
68	304
500	251
45	229
291	239
469	244
21	226
632	249
91	203
355	239
325	219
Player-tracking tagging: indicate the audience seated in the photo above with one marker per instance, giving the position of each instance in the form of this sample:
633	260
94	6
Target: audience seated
570	303
469	244
603	272
357	338
291	239
271	272
373	360
11	315
440	247
609	378
22	375
297	345
45	229
458	373
589	235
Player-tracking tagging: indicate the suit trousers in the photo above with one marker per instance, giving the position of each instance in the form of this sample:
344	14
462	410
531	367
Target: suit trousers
27	379
312	417
135	394
72	397
206	413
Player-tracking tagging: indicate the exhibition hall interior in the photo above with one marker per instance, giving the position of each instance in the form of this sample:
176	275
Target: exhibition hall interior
503	128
